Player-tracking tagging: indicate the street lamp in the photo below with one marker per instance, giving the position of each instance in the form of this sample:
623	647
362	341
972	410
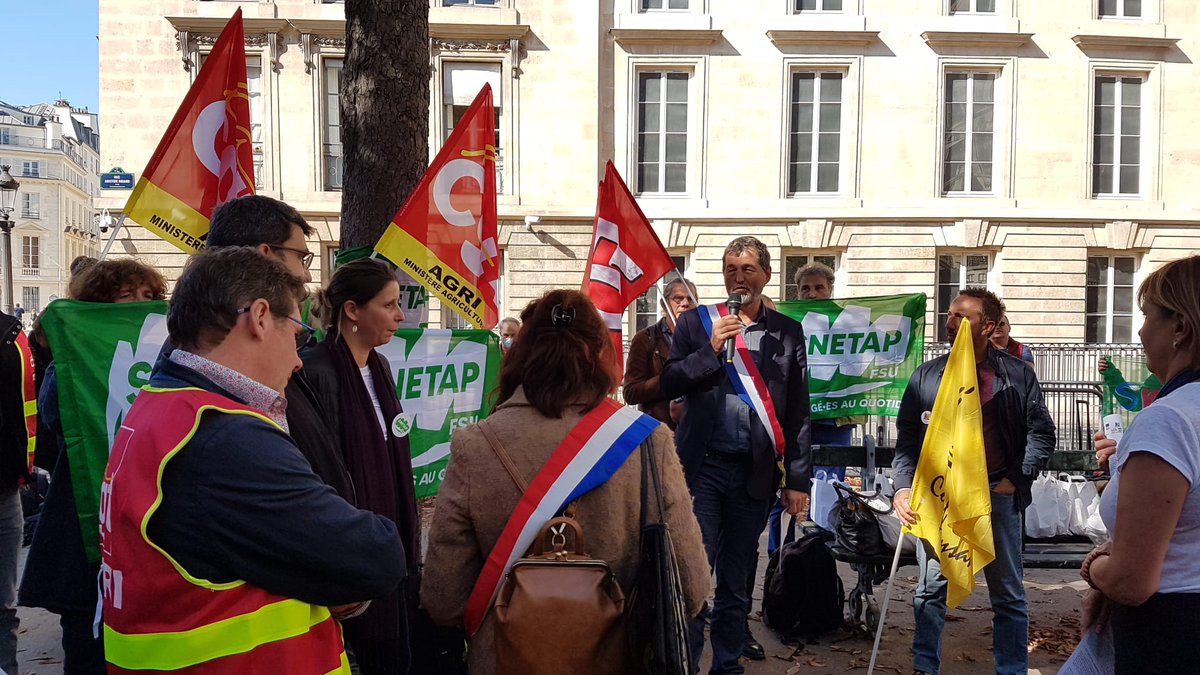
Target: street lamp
8	201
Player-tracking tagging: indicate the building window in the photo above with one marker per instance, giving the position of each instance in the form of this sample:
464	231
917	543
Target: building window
31	259
1116	145
31	299
471	3
1109	315
817	6
969	113
659	5
332	158
28	119
647	309
956	272
662	131
31	169
1120	9
5	138
815	132
254	84
461	83
972	6
31	205
452	320
792	263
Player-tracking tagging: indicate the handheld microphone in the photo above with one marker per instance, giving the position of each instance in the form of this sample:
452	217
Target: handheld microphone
734	305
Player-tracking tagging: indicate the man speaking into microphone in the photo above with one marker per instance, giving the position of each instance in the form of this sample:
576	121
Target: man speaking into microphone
743	369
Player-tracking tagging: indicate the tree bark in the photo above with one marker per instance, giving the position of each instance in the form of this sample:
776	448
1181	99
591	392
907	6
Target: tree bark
385	112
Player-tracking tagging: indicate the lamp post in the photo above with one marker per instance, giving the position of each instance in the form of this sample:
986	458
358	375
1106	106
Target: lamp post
8	200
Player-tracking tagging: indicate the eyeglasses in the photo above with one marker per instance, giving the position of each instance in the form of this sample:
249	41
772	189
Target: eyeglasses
306	257
302	337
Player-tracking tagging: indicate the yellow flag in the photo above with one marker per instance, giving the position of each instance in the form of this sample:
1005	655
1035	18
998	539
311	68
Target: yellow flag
950	492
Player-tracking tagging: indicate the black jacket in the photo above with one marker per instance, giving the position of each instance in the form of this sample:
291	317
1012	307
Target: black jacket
312	423
14	438
1027	429
696	371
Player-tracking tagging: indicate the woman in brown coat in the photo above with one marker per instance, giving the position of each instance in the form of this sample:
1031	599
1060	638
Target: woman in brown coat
550	379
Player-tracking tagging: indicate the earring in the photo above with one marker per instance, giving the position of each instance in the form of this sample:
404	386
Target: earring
1175	345
354	328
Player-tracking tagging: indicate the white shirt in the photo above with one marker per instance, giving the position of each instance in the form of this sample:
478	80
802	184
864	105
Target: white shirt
1170	429
370	382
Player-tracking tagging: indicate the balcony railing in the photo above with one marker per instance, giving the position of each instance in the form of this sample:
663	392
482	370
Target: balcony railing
31	213
335	166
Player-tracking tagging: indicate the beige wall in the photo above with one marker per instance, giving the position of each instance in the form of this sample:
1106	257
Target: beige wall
569	109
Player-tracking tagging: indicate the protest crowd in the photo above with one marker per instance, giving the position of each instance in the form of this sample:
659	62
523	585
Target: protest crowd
246	495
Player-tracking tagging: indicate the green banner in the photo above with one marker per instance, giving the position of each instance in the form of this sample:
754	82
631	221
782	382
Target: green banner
444	379
861	352
103	354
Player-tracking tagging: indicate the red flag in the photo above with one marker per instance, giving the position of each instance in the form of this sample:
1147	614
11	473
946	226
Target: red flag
206	156
445	234
626	257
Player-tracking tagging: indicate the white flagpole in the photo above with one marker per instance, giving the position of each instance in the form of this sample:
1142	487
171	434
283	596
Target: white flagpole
887	597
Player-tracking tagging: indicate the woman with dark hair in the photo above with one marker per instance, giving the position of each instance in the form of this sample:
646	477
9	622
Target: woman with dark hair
58	575
361	310
1144	582
559	370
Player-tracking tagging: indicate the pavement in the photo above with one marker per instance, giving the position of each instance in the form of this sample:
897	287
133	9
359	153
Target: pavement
1054	629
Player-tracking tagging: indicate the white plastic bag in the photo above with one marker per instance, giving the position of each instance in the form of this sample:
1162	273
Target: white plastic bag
1049	513
1081	493
823	501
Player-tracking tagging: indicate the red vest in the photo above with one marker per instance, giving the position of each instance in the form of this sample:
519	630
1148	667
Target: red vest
28	397
158	617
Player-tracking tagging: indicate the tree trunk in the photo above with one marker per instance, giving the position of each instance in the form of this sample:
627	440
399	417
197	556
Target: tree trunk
385	112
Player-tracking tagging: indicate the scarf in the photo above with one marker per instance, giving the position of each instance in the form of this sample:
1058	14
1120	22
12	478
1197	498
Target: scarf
381	470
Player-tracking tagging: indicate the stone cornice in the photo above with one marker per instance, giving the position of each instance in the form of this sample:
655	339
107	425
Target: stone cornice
477	32
1123	42
817	38
214	25
993	40
643	37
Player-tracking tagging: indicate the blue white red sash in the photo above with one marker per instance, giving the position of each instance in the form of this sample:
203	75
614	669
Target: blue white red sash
594	450
745	378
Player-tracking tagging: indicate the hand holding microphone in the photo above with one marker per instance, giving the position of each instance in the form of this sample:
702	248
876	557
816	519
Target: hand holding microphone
734	305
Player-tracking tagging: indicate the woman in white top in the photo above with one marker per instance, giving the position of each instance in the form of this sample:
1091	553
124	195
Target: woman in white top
1146	581
354	384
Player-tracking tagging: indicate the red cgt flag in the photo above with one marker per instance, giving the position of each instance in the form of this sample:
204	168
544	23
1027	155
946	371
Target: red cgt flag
626	257
206	156
445	234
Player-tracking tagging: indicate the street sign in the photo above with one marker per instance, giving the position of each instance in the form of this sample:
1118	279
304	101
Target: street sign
116	179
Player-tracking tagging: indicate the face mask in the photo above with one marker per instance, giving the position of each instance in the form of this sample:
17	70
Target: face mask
506	344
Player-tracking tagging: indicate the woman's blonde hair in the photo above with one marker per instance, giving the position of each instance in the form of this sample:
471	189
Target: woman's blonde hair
1175	287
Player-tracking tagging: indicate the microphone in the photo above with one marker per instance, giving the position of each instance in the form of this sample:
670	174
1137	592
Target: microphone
734	305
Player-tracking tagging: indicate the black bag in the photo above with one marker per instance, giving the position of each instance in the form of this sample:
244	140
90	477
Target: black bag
802	592
857	524
658	617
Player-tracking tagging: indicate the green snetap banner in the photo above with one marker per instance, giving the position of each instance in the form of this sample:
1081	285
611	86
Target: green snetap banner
861	352
103	355
444	379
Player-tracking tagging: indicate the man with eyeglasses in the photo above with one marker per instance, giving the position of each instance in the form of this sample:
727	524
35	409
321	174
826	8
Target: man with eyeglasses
221	548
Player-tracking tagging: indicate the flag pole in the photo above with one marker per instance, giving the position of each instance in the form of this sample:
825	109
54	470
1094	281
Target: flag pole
887	598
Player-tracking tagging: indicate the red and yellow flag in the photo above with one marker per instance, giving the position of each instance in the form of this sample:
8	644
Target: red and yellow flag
950	491
206	156
445	234
626	257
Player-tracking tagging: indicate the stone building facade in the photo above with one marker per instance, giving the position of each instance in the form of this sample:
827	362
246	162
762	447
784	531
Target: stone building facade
1045	149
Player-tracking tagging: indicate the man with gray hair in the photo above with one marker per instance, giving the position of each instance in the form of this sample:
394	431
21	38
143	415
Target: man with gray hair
649	351
814	281
209	512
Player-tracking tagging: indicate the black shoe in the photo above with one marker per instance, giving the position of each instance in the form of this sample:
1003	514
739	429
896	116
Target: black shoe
753	649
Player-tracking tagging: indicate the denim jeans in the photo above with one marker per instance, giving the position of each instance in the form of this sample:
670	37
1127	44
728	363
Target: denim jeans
1005	576
12	525
730	522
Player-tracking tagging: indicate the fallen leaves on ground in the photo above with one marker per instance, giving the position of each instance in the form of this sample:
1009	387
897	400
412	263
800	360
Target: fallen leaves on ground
1060	641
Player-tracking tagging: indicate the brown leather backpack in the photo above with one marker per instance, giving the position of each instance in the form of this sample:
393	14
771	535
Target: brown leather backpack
559	611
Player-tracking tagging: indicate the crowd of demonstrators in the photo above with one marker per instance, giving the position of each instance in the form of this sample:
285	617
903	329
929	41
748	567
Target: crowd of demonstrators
213	513
649	351
729	458
509	327
1018	437
1144	582
354	385
13	448
58	575
1002	340
558	371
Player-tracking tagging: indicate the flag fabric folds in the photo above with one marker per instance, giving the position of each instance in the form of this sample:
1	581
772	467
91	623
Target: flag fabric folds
950	491
626	257
206	156
444	236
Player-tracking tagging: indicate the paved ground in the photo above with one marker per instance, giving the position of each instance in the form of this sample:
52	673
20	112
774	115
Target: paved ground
1054	613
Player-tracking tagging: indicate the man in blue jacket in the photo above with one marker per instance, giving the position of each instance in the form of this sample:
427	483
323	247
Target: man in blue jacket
1018	438
728	457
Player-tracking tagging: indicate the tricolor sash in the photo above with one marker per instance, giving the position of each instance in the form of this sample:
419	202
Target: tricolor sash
745	378
594	450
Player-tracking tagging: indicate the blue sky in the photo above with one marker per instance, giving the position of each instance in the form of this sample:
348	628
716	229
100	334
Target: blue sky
49	47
